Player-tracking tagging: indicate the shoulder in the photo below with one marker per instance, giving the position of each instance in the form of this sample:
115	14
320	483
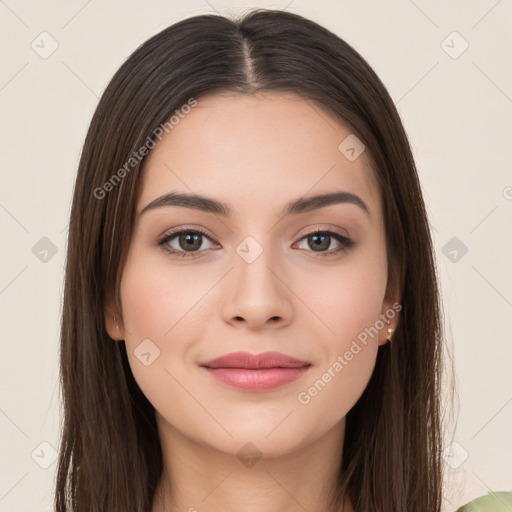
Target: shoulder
495	502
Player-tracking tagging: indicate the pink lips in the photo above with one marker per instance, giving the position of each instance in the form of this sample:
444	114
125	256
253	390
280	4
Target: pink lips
256	372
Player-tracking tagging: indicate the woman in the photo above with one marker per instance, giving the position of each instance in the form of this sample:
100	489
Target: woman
251	314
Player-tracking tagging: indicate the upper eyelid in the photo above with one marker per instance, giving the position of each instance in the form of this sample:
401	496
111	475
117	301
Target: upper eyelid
166	238
173	234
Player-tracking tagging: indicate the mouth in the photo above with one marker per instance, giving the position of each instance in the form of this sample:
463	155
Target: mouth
248	361
252	372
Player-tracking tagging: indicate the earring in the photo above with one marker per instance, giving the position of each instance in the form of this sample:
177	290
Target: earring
390	332
117	325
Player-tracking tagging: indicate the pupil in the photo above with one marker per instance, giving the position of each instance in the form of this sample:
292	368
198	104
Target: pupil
317	243
190	239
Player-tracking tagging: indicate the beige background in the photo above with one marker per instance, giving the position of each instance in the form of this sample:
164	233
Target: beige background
457	112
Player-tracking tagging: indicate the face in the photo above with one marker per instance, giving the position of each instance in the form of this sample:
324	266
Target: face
200	283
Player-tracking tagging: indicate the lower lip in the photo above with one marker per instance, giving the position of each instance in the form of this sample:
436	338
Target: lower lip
256	380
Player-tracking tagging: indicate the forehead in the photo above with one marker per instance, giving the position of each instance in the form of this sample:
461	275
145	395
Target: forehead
260	147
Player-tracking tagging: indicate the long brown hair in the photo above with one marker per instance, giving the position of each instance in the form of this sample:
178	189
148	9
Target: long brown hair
110	455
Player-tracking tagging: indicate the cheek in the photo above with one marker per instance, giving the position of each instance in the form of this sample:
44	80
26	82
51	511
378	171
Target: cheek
161	303
334	390
350	307
351	302
154	314
157	300
345	301
346	304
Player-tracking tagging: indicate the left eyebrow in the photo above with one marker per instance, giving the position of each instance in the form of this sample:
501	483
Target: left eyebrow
209	205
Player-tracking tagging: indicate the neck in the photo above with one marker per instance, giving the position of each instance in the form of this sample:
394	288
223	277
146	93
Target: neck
198	477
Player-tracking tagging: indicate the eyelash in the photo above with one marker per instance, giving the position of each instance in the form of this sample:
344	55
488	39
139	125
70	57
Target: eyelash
347	243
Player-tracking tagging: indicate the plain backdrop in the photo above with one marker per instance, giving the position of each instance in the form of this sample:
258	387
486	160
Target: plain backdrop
447	66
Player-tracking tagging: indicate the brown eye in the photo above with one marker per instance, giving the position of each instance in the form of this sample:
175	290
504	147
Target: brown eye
320	240
190	241
186	242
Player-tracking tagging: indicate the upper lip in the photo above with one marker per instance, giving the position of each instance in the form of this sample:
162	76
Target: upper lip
255	361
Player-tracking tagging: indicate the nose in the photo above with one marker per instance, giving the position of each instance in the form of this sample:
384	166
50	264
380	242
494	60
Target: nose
256	295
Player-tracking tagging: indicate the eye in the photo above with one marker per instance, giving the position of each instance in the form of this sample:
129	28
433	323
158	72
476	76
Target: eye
188	242
321	239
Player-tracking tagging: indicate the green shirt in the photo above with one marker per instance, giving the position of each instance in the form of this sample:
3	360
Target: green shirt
495	502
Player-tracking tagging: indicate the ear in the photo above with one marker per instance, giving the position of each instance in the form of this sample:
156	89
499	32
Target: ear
115	328
391	308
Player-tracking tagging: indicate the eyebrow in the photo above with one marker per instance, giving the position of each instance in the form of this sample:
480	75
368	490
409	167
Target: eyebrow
209	205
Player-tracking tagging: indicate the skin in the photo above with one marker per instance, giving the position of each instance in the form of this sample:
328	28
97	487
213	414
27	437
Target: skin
255	153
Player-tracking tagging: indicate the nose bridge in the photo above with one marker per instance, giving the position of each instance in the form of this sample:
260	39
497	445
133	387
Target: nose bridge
256	292
253	263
